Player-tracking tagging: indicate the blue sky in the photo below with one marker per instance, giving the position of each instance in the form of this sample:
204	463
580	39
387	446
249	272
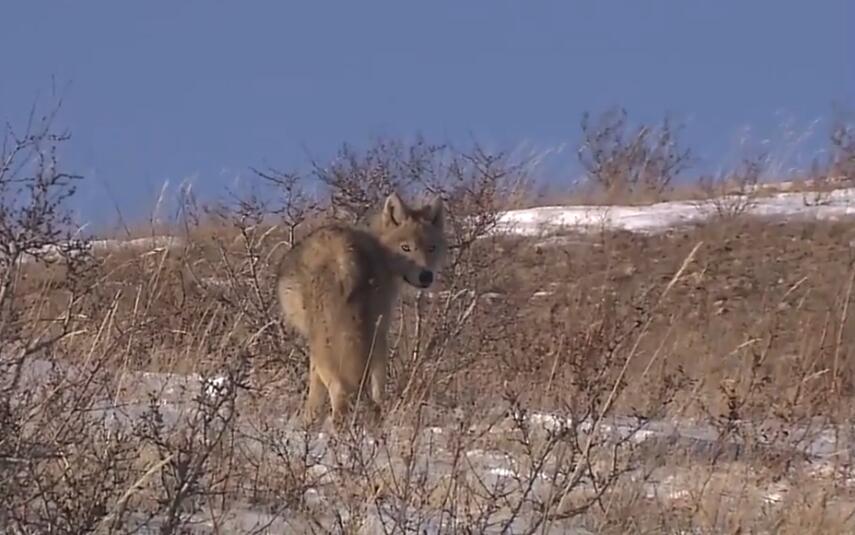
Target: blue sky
160	89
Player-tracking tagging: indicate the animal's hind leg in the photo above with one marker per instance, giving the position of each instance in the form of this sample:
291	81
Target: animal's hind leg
316	398
291	305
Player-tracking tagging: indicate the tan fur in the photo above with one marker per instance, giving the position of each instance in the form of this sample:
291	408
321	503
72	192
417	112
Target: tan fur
337	288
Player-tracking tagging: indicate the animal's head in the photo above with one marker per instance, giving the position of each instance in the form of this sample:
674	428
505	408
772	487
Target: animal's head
414	238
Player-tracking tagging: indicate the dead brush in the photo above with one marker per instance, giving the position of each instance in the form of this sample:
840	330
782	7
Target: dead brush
734	194
640	164
843	151
533	491
358	181
539	388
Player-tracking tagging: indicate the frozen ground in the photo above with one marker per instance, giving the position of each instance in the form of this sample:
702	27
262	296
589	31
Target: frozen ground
491	460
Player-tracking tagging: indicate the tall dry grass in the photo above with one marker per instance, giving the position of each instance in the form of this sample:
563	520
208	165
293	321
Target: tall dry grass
541	387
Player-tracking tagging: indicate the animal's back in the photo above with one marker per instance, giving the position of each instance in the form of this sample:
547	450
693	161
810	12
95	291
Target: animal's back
325	272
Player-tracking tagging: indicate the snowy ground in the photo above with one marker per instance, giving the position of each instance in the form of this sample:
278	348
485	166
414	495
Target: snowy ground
827	449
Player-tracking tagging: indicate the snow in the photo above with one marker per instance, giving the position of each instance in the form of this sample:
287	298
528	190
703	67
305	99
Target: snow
827	447
664	216
152	244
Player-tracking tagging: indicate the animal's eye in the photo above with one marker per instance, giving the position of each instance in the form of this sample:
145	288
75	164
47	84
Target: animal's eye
405	247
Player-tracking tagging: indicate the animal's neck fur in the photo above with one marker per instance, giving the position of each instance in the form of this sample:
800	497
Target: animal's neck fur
372	230
394	279
374	225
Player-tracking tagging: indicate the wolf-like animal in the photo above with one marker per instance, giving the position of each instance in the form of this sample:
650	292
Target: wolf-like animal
337	288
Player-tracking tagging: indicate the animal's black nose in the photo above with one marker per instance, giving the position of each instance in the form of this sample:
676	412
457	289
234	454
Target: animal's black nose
426	277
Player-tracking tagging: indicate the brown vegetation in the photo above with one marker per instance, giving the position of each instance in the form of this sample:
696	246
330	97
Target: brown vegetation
153	389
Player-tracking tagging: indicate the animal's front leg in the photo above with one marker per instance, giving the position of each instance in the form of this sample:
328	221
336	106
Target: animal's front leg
316	398
340	398
377	379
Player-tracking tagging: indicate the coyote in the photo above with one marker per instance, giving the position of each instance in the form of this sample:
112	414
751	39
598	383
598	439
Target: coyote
336	288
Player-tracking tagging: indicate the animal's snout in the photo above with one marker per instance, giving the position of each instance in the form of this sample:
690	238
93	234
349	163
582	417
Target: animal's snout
426	277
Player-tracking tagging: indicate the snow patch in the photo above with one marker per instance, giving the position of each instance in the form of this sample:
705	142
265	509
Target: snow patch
664	216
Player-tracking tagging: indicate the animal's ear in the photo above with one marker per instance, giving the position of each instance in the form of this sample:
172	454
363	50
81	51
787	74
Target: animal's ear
394	211
435	212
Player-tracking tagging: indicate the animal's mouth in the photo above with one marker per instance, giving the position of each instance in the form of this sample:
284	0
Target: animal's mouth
419	285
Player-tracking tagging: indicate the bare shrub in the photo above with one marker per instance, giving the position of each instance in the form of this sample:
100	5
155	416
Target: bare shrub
35	224
843	151
476	187
734	194
236	268
60	465
294	206
36	234
358	181
835	171
622	162
49	470
194	453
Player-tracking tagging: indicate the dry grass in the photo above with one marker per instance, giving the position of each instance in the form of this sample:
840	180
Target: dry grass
540	388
